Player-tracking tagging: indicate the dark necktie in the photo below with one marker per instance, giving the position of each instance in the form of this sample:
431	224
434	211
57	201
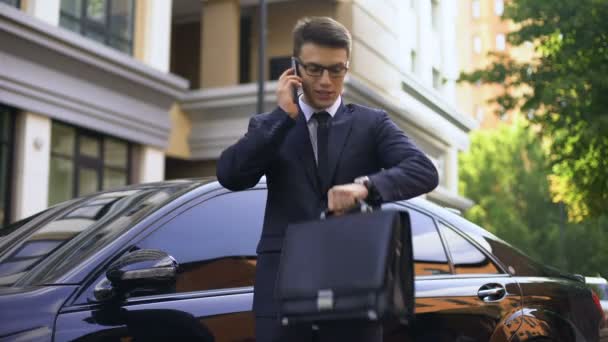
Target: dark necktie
322	148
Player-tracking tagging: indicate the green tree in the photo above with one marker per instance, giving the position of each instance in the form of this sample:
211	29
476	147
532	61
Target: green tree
505	173
565	93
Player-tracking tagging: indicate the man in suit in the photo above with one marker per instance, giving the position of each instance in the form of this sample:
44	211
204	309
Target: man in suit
319	153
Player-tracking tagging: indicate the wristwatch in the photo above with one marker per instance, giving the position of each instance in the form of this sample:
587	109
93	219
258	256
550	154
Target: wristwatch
373	196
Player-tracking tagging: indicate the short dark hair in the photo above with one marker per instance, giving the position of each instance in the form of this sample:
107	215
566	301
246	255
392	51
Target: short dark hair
323	31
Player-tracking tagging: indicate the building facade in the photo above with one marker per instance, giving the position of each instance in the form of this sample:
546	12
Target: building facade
96	94
482	30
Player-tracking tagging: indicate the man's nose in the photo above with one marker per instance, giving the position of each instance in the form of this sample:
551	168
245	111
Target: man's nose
325	78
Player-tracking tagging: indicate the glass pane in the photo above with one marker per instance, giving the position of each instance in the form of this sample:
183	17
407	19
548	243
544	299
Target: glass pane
88	181
121	45
4	153
87	212
72	7
14	3
121	18
466	257
5	126
89	146
96	10
228	259
114	179
96	36
62	139
37	248
69	24
115	153
61	180
429	255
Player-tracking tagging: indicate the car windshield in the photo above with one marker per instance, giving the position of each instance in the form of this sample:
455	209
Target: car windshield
45	247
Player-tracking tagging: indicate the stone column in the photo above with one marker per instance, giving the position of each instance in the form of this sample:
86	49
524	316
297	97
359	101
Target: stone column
32	164
220	25
45	10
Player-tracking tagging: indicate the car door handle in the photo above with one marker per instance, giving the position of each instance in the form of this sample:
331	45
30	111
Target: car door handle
491	292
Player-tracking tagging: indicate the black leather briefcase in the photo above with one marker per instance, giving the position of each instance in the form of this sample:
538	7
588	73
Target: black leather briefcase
356	266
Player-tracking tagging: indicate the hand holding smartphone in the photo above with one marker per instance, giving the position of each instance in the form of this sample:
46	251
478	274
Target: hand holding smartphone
294	66
287	90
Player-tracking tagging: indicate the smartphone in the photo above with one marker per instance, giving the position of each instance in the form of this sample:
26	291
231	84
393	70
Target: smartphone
294	66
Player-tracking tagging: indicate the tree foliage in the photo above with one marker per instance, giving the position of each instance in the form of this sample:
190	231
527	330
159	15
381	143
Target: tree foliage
566	93
505	172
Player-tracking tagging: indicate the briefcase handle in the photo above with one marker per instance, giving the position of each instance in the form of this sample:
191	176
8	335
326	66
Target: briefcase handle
363	207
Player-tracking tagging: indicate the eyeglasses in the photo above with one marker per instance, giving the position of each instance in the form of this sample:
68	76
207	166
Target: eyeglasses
316	70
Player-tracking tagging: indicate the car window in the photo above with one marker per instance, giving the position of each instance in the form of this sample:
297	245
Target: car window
43	253
214	242
429	255
600	289
467	259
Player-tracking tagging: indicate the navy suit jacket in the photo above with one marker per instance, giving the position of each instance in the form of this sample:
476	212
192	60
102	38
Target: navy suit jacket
362	142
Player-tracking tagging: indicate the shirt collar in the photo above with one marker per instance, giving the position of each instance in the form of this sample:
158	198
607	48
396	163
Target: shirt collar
308	111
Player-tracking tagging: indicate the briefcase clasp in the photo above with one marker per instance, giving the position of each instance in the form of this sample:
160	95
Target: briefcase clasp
325	300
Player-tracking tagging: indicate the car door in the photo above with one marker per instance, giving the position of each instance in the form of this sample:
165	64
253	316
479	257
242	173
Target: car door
214	245
461	294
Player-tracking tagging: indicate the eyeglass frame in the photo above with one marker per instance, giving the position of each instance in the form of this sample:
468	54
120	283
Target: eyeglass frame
323	68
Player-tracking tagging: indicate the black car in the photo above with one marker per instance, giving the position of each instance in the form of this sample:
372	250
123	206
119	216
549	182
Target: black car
176	261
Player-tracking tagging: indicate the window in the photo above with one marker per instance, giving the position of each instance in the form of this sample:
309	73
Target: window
499	7
83	162
436	15
467	259
479	113
413	61
6	156
14	3
214	247
109	22
500	42
477	44
429	254
437	81
476	8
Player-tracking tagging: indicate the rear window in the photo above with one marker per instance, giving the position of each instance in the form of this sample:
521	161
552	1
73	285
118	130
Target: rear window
45	249
601	290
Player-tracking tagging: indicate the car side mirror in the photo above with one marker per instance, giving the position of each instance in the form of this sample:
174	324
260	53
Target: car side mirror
142	271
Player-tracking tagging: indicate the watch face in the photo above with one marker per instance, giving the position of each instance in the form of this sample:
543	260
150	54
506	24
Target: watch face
363	181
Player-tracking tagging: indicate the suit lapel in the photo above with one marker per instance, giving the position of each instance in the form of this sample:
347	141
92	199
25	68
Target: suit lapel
304	151
338	134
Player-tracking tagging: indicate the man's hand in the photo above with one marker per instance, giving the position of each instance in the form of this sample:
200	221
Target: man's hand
341	198
287	82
